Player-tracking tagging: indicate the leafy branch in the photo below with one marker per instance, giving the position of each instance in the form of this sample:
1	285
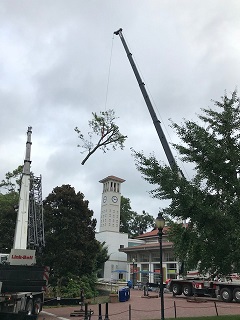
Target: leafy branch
107	132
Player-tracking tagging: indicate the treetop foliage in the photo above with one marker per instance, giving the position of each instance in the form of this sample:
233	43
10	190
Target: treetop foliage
12	180
209	202
9	197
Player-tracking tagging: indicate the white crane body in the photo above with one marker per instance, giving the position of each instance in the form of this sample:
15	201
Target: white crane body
21	230
20	255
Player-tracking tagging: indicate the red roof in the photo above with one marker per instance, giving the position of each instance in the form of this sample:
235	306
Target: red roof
152	233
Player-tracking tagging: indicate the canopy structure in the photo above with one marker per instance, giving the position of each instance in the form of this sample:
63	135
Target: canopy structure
146	272
120	271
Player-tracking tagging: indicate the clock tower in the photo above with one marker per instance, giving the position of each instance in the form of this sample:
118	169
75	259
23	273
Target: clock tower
110	207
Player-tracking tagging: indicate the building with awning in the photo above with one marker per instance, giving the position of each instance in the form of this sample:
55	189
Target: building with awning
143	258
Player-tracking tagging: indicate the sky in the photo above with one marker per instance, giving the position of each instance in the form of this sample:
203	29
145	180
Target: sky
59	62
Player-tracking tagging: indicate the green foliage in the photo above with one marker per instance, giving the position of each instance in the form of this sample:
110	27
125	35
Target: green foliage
126	215
71	246
74	285
8	214
132	223
210	200
9	197
101	257
12	180
103	126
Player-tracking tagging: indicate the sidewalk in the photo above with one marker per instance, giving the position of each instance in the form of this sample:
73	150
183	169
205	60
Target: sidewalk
143	308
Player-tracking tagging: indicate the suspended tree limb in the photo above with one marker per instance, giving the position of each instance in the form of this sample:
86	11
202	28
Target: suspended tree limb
104	127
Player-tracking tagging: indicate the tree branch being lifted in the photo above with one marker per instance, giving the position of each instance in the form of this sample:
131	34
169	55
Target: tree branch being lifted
108	133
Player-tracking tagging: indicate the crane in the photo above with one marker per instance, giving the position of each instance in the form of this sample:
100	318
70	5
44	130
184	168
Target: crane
29	230
21	230
22	281
155	119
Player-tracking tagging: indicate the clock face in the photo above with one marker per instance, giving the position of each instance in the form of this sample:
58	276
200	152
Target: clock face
104	199
114	199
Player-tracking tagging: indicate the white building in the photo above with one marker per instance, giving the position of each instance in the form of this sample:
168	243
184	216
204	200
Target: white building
143	258
109	229
138	257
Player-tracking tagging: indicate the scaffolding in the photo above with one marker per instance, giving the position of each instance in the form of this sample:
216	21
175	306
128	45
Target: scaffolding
36	239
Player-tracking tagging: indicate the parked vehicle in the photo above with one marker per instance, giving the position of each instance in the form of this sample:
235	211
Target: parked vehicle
225	290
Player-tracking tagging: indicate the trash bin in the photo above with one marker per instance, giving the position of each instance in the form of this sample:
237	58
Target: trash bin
122	295
127	293
129	284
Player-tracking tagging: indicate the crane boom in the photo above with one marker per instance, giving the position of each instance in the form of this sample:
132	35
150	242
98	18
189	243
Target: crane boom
21	231
155	120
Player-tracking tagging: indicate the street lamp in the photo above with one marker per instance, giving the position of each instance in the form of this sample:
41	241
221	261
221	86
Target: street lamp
133	260
160	223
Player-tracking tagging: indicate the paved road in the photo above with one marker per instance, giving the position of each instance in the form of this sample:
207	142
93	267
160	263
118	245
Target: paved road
142	308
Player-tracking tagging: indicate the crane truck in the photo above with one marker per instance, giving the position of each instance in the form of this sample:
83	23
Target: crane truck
227	291
22	281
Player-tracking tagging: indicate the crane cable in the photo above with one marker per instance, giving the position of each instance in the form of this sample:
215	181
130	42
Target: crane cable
109	71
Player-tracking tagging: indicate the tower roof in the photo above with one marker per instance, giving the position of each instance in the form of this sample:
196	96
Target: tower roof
112	178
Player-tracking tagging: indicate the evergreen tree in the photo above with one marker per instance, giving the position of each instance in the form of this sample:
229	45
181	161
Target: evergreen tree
210	201
71	247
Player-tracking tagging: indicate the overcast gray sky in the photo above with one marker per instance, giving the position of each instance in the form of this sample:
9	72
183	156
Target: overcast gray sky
54	70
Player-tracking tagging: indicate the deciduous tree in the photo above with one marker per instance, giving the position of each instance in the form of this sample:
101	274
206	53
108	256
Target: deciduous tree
131	222
210	201
9	197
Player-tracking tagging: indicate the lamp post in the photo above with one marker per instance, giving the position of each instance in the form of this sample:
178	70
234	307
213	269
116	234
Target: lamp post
160	223
133	260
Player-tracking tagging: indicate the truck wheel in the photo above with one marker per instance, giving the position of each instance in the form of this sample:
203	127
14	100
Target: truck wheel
187	290
226	294
176	289
37	306
29	306
236	294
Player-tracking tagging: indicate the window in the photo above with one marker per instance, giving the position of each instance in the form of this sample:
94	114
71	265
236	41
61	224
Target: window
131	257
144	257
155	257
121	246
171	270
169	256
